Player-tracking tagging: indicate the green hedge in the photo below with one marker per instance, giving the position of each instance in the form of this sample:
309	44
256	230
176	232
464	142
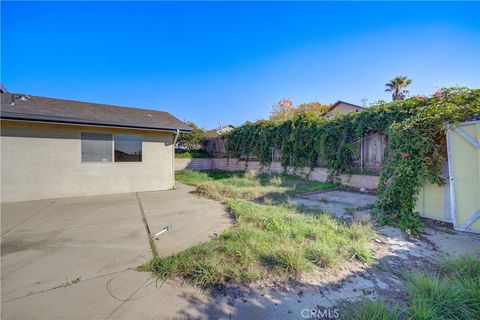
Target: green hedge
415	150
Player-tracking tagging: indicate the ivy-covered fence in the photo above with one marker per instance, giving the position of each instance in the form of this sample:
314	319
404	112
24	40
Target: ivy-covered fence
415	151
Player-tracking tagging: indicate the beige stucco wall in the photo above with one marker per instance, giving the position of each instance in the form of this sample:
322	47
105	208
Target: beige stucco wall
41	161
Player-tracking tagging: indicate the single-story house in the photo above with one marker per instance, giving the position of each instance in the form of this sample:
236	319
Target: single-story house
53	148
224	129
342	107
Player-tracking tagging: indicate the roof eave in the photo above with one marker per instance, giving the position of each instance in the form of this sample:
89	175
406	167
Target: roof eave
92	124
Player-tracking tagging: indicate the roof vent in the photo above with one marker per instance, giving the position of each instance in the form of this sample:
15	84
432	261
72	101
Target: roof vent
21	97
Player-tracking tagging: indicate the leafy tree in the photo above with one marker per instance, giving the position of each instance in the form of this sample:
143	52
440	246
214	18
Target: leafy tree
398	87
193	140
312	107
282	110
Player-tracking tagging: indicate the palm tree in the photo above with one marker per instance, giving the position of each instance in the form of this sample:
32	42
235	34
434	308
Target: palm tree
398	87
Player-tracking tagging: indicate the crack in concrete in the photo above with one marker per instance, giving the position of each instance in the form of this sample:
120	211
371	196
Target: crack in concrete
62	287
108	287
153	247
128	299
33	215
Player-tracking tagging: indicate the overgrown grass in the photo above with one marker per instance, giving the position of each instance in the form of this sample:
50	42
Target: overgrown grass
267	242
269	189
452	292
271	238
190	154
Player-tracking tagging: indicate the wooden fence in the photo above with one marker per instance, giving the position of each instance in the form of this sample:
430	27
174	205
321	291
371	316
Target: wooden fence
371	153
368	154
217	147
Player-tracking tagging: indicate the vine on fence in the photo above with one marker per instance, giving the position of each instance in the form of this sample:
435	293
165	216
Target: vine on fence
415	150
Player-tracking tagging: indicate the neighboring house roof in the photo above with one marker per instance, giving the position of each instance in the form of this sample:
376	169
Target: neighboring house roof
41	109
226	126
214	133
224	129
333	106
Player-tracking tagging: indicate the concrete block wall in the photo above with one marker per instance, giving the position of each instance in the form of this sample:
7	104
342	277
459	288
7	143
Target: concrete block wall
317	174
193	164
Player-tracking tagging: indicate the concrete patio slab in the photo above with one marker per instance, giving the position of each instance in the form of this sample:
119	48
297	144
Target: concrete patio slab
75	258
89	299
75	237
194	219
165	300
20	212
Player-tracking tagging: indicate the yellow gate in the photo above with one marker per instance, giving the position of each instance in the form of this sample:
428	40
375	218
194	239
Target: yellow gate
464	170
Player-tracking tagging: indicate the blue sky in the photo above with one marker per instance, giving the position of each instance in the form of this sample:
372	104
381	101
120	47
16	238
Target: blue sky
229	62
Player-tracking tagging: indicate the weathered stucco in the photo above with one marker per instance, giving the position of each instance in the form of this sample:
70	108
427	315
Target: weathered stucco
41	161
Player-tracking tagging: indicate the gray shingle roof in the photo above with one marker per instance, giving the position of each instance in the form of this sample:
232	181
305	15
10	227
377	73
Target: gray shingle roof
32	108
